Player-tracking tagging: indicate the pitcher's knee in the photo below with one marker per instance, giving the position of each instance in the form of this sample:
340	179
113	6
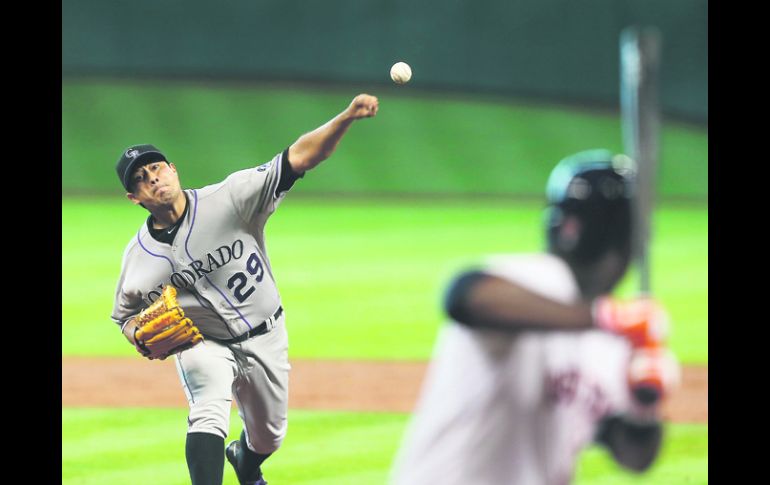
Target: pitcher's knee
267	437
209	417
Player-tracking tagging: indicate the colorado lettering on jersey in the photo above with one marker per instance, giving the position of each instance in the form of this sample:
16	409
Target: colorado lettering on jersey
199	268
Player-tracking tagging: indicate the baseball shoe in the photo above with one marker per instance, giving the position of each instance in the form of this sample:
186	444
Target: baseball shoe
231	452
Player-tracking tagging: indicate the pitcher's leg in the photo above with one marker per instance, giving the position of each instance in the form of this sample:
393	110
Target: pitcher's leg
261	392
205	460
206	372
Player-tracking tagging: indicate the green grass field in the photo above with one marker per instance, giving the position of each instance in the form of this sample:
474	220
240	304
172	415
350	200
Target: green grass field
130	446
384	262
364	278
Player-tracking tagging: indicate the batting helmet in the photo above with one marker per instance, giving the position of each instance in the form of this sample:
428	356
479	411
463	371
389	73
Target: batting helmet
589	205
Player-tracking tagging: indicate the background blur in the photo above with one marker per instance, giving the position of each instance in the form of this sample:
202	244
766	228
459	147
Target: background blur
534	52
452	168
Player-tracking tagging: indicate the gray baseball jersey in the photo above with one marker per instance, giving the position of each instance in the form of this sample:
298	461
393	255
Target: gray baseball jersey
500	408
217	261
219	264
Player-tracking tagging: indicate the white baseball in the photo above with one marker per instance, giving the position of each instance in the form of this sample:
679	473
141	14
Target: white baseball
401	73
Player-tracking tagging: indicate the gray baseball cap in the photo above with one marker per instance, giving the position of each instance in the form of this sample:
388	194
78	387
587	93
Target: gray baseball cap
133	157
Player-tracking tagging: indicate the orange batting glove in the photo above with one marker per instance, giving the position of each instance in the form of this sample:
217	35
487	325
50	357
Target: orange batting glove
653	374
643	321
653	371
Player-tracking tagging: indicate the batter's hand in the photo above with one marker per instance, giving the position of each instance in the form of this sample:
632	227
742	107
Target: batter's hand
643	321
653	374
363	106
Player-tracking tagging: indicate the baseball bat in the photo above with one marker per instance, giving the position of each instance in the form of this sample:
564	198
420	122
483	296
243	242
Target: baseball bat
640	56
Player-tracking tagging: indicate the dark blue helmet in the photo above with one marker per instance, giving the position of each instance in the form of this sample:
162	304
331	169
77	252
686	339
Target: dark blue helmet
589	205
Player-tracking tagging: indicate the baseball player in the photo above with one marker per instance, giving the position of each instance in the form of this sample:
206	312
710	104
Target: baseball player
537	360
196	283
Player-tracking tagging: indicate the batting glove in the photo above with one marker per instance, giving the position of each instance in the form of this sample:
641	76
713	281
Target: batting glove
653	374
643	321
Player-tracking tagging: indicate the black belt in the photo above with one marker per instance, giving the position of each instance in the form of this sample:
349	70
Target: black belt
260	329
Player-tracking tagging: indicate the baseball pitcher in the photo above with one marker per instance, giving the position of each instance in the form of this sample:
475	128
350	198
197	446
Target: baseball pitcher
538	361
196	283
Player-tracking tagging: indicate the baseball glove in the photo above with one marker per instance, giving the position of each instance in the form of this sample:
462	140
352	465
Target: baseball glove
162	329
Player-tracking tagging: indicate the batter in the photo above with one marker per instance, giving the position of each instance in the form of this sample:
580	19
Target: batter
525	375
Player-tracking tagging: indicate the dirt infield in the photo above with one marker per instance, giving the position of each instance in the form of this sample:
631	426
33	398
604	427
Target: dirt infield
320	385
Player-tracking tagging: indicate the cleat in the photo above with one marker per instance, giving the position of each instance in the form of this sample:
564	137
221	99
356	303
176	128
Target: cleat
231	453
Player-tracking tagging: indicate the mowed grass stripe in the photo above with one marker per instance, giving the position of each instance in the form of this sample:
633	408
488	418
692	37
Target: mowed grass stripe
364	278
420	142
129	446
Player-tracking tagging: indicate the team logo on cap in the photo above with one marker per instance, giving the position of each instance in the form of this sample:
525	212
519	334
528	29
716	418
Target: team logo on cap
132	153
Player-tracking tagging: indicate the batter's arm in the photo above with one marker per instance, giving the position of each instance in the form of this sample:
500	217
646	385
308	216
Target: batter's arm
478	299
316	146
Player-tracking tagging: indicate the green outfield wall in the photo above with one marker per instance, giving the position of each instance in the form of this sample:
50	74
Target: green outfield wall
551	49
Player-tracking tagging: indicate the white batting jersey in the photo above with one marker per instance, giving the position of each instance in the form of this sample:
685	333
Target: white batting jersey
217	261
500	408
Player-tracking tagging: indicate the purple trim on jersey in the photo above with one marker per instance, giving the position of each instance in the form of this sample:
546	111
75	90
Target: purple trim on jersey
193	293
139	240
187	250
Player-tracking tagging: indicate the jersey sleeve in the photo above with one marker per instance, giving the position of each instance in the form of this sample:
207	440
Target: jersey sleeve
258	191
125	305
288	175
